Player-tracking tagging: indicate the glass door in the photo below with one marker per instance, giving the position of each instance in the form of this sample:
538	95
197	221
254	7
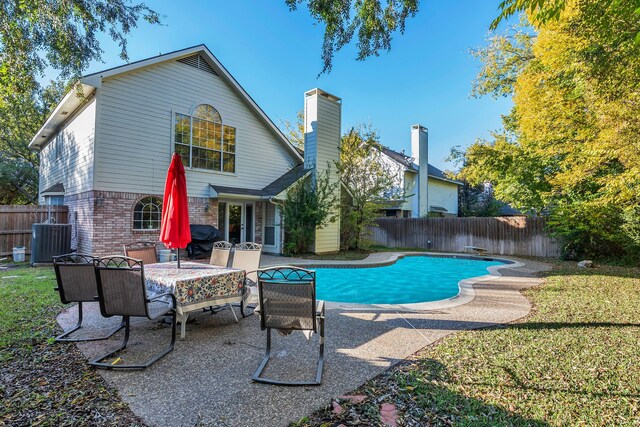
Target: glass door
235	225
271	238
236	221
249	223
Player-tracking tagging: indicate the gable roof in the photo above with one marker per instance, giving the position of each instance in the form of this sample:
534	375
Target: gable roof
90	82
407	162
401	158
268	192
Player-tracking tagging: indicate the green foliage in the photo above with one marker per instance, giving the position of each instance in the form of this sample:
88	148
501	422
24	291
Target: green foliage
40	34
570	145
374	21
372	182
27	304
588	228
355	223
541	11
21	115
476	201
295	131
37	34
504	57
309	205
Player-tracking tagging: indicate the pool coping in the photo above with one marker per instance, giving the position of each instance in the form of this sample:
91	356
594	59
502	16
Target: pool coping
465	295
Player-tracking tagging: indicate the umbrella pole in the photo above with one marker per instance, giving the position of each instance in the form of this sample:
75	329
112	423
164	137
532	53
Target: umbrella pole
178	258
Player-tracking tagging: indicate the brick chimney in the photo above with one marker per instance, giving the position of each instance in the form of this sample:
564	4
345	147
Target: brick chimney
420	154
322	126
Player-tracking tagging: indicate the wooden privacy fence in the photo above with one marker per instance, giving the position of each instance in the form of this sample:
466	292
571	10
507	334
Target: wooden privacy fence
501	235
16	221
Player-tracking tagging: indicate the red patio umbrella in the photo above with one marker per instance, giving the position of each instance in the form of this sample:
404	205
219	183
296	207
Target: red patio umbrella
174	231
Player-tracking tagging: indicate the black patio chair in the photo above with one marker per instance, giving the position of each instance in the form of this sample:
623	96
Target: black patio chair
76	282
122	292
288	303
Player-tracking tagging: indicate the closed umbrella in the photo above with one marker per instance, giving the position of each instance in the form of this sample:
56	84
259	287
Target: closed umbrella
174	231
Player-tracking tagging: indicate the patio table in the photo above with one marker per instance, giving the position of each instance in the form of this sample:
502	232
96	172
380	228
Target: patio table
195	286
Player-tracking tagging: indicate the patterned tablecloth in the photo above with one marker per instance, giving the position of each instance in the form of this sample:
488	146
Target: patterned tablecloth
195	285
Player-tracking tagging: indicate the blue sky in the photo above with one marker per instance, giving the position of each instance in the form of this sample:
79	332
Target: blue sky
275	55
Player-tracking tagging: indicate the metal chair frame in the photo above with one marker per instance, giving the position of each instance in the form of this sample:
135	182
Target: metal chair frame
141	249
290	276
77	261
120	262
221	246
247	246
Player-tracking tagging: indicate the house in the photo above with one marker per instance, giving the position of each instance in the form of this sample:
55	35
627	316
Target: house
430	193
105	150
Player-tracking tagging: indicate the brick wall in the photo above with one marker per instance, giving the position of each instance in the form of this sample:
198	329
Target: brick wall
81	208
259	215
105	220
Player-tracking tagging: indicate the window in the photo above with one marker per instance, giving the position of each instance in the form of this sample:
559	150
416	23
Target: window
147	214
54	200
59	145
269	238
204	142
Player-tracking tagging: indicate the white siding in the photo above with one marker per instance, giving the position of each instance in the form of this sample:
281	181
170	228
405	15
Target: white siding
68	157
444	194
135	133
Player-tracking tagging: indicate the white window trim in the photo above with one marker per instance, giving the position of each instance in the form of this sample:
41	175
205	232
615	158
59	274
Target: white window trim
133	214
172	143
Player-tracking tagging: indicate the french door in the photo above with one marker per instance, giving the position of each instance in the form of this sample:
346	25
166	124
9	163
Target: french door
236	221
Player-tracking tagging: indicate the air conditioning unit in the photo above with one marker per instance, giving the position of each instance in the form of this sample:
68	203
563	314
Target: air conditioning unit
49	240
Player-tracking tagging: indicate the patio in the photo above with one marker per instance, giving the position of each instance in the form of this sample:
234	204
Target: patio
207	378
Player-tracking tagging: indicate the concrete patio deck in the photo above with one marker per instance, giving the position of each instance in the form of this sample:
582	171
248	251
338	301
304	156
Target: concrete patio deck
206	380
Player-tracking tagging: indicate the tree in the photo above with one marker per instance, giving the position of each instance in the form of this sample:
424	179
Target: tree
60	34
20	119
375	21
371	20
40	34
474	199
309	205
372	182
570	145
295	131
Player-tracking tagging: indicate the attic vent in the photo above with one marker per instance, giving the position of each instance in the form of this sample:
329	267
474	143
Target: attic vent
197	61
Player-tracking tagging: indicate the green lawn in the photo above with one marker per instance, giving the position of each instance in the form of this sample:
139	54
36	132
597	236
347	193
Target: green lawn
42	382
573	361
28	303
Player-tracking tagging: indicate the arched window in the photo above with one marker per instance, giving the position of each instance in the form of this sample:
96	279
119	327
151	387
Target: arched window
204	142
147	213
207	112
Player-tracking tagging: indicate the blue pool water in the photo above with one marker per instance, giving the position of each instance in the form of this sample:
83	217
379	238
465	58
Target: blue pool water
410	280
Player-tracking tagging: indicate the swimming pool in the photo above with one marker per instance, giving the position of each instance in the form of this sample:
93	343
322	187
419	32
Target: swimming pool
411	279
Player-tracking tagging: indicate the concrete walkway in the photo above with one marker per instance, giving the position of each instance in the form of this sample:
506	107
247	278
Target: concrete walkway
206	380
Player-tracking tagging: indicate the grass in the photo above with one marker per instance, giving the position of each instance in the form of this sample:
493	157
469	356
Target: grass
28	302
42	382
572	361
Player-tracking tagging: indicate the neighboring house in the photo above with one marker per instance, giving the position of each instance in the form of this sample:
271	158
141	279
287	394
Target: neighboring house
430	193
105	153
